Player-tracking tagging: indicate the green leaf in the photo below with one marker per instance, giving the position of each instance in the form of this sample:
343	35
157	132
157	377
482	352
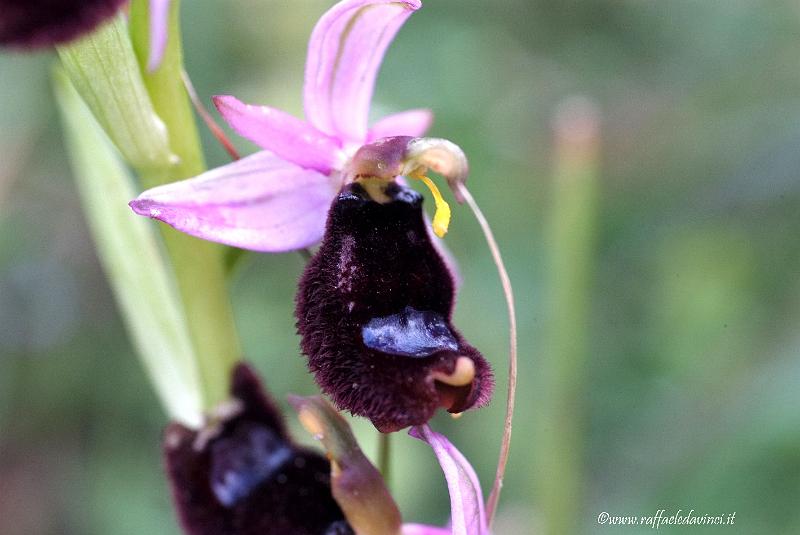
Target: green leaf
128	249
103	67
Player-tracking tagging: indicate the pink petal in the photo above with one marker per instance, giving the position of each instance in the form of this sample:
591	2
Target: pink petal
159	18
260	202
414	123
466	499
344	54
277	131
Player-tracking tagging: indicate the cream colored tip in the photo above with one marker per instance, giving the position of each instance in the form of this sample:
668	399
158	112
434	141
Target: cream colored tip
311	423
463	374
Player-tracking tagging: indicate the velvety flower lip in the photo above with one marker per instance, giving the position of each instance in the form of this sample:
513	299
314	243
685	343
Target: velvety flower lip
43	23
242	475
344	55
373	311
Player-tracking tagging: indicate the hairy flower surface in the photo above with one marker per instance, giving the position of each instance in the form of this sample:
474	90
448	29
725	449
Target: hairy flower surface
242	475
42	23
276	200
374	308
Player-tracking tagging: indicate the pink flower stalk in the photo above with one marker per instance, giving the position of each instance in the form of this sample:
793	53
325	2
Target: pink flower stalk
276	200
159	19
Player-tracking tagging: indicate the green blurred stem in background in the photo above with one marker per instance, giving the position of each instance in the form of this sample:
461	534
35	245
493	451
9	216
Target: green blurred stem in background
559	433
385	456
105	70
129	250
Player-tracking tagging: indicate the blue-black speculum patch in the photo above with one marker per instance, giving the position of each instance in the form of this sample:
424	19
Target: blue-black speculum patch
374	312
409	333
244	476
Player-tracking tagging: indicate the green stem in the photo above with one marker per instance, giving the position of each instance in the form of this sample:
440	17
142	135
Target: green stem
562	371
198	265
385	456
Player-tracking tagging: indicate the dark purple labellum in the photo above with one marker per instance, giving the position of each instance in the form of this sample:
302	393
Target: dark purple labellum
245	476
373	310
40	23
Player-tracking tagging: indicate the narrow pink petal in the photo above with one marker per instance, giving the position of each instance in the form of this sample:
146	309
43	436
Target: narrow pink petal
260	202
159	17
344	54
414	123
466	499
277	131
421	529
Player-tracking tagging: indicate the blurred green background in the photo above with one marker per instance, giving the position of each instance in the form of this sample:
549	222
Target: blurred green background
657	287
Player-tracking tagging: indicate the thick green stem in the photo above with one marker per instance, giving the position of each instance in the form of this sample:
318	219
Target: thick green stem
570	250
198	265
129	250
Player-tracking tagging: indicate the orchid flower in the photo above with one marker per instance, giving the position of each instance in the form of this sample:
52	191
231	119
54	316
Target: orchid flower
276	200
241	474
375	304
43	23
374	308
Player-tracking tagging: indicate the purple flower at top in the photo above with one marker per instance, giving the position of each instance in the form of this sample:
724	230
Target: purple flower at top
375	304
276	200
374	311
42	23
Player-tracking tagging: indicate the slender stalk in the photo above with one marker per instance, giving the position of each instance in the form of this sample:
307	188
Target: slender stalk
508	292
198	265
569	242
385	456
212	125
